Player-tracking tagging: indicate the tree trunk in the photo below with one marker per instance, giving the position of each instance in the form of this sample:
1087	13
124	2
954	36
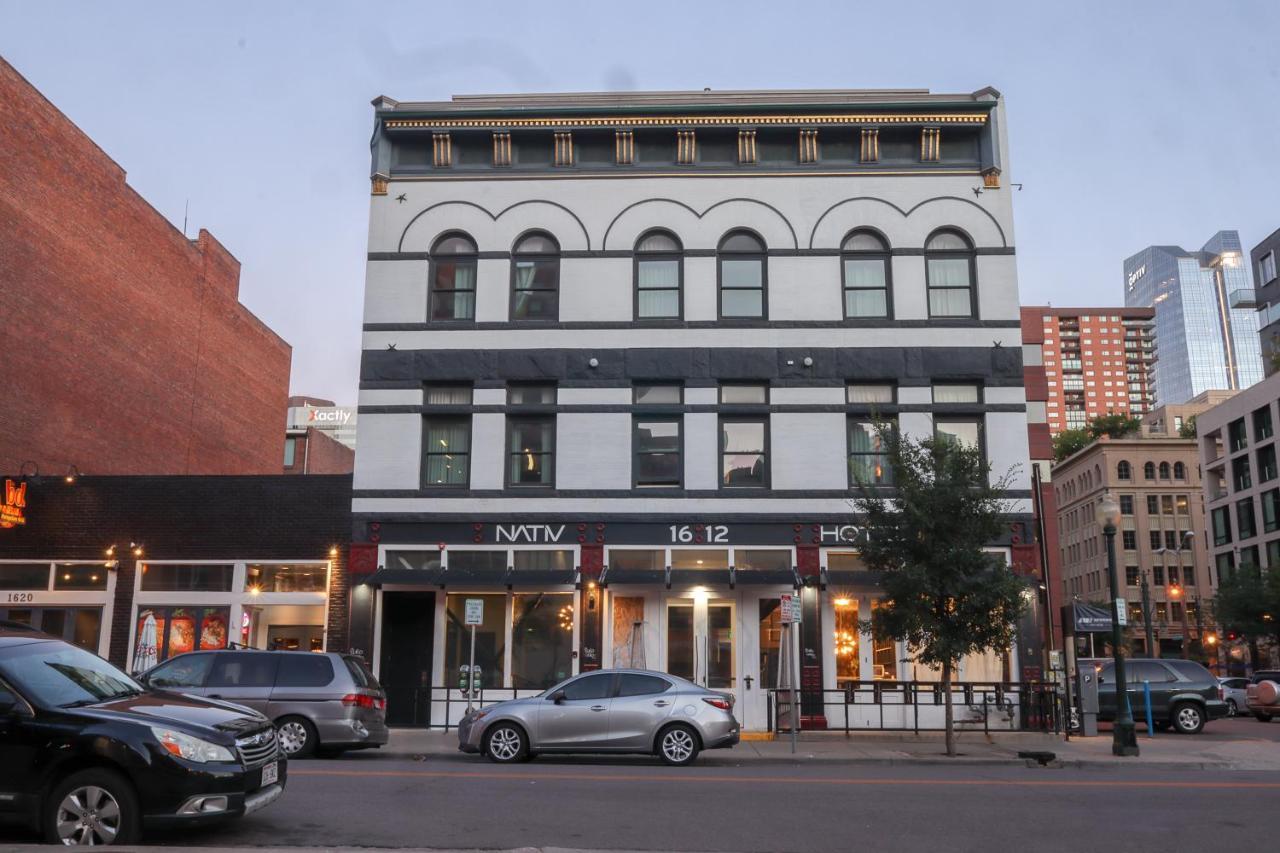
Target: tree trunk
950	715
1254	656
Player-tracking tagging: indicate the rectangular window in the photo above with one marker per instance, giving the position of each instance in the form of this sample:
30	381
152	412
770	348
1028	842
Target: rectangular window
446	395
1262	428
1171	540
739	393
657	288
1267	464
884	654
862	394
653	395
1245	523
699	558
1153	505
743	453
453	287
290	451
656	448
542	394
1221	525
531	452
1129	538
1181	504
490	637
741	287
1154	539
161	577
1157	575
24	576
1273	554
866	287
950	287
1271	511
1249	556
1237	436
295	577
1131	575
541	639
965	431
762	560
847	639
546	561
1166	504
535	288
446	450
1225	564
71	576
957	393
1240	473
628	559
1267	267
868	464
1126	504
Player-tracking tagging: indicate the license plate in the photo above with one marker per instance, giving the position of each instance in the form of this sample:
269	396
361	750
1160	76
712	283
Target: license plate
270	774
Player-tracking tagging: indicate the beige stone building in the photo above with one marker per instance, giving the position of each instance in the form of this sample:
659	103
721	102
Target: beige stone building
1168	420
1161	536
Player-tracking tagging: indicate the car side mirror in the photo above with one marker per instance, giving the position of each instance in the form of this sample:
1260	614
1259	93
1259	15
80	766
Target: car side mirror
557	697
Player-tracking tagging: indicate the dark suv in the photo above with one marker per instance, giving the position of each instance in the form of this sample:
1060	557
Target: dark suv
87	755
1183	693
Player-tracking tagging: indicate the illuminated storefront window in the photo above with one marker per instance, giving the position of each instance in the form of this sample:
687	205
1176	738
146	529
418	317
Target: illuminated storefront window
845	639
541	639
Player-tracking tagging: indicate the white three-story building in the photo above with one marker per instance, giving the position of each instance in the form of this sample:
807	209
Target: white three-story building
621	358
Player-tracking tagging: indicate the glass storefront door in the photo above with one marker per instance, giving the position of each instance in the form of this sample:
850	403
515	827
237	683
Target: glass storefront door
700	642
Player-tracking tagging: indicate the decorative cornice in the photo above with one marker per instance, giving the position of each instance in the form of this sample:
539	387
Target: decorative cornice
687	121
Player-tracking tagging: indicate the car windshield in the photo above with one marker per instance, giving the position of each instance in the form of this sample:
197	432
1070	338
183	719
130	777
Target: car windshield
63	676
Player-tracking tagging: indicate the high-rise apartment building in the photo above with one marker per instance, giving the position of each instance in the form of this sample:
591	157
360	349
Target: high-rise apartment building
1264	258
1205	320
1097	361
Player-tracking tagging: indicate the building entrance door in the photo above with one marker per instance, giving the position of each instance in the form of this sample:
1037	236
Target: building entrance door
700	642
408	620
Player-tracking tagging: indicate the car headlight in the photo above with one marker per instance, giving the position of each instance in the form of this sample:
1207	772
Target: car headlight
191	748
480	714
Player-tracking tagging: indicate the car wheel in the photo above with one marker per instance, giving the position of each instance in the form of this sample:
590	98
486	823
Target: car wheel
678	746
1261	717
297	737
96	806
1232	710
506	743
1188	719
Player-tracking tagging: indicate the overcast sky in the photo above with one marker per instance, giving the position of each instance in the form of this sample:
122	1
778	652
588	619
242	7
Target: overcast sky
1130	123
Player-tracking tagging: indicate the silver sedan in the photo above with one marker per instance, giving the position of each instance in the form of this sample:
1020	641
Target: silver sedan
606	711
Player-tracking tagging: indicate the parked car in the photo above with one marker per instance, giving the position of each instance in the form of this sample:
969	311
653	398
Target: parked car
320	702
89	755
606	711
1184	694
1262	696
1233	692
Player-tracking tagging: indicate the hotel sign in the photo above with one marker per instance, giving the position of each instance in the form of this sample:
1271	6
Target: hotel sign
13	511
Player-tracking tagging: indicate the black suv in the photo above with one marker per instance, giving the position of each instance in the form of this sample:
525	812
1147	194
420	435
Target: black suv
1183	693
89	755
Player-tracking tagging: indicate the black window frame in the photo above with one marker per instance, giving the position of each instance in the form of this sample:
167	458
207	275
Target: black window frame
637	386
969	255
513	421
765	452
552	387
471	259
1265	457
1179	471
1165	470
1124	471
638	257
1149	471
1237	436
761	256
429	451
1245	512
884	255
720	392
1126	504
636	452
851	423
1220	525
977	419
552	257
1262	426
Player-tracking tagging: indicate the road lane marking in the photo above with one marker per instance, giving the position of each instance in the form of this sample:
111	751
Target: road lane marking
806	780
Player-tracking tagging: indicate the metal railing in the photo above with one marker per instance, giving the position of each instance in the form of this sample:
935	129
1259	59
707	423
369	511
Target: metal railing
919	706
443	707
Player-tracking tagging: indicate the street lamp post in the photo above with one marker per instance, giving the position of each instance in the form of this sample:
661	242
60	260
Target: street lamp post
1146	616
1124	735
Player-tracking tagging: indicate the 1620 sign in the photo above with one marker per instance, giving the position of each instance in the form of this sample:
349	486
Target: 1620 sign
683	534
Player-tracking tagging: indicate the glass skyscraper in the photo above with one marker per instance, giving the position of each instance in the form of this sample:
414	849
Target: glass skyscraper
1206	328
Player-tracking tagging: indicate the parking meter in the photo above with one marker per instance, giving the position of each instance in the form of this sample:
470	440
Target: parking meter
464	680
476	681
1087	691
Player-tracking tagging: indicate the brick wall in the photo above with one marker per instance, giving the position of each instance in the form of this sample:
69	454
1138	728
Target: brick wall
126	348
317	452
190	518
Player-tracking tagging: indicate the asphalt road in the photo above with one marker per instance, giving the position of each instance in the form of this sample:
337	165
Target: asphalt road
460	801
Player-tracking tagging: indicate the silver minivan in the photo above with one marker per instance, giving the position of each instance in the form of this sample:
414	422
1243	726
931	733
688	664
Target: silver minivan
321	703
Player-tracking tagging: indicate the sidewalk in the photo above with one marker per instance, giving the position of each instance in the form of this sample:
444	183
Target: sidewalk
1168	752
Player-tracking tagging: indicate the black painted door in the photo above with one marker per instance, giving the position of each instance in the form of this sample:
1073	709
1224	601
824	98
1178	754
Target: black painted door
408	629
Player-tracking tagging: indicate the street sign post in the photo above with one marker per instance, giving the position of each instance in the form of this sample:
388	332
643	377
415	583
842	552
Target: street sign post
473	615
788	672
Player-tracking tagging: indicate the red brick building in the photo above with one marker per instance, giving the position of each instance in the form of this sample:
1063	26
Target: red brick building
126	347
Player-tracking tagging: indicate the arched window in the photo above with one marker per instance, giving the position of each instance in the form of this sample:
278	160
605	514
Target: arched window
1164	470
864	260
453	278
1179	471
535	278
743	275
659	275
1149	471
1123	470
949	267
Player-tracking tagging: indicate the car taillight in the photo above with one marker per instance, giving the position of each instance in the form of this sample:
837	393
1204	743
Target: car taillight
717	702
360	700
1222	694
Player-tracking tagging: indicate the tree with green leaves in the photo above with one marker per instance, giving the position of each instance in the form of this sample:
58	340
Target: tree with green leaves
1188	428
1248	603
942	592
1071	441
